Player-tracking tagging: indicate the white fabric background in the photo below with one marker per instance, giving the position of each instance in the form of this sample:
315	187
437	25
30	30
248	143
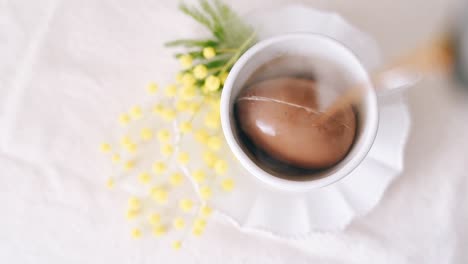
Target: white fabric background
66	67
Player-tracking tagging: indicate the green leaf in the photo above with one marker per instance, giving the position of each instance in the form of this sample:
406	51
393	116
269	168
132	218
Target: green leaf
194	54
196	15
190	43
217	28
210	10
235	30
216	63
231	36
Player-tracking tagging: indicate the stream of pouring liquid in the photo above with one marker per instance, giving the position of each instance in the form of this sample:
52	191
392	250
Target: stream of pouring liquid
437	55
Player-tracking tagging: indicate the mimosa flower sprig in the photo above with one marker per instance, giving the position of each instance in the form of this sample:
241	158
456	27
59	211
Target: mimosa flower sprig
207	62
157	157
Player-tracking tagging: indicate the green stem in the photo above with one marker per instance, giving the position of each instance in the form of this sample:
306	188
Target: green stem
215	69
227	50
236	56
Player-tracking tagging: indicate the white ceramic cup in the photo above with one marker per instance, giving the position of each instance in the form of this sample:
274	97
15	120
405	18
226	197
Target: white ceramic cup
317	48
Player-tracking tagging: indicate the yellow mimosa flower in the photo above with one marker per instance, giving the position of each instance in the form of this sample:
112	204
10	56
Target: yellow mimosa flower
186	60
146	133
176	245
136	233
167	149
159	230
124	119
171	90
206	211
183	158
200	71
136	112
152	88
155	218
185	127
159	167
105	147
221	166
144	178
176	179
186	205
212	83
188	79
179	223
209	52
227	184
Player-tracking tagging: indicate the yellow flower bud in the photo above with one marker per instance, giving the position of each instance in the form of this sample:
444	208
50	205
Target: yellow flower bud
179	223
167	149
129	165
159	167
202	136
197	231
169	114
110	183
212	120
182	105
105	147
164	135
171	90
132	214
199	175
124	119
132	148
176	245
186	60
212	83
206	211
227	184
126	141
155	218
209	52
134	203
200	71
188	79
214	143
146	134
200	223
176	179
205	192
209	158
183	158
159	230
186	205
152	88
188	92
115	158
136	112
221	166
144	178
185	127
136	233
159	194
158	109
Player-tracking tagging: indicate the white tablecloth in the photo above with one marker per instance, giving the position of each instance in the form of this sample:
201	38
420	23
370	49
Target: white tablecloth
67	67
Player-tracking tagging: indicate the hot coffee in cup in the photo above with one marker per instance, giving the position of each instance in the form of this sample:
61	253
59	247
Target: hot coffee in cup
271	103
279	118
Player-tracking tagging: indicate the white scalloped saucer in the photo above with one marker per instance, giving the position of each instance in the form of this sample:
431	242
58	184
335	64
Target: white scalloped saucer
254	205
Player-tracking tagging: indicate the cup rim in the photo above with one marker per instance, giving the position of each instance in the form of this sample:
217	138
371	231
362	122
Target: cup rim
254	169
